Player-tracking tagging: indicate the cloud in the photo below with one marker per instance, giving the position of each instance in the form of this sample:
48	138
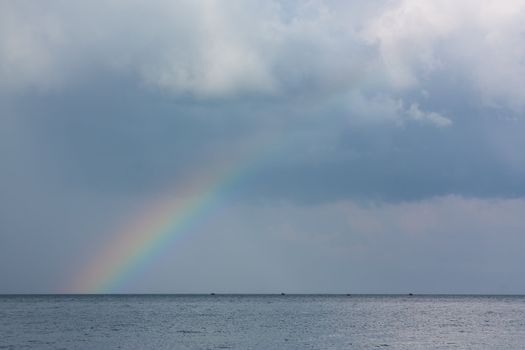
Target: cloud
203	49
447	244
385	108
414	113
214	57
379	132
480	42
28	40
444	244
208	50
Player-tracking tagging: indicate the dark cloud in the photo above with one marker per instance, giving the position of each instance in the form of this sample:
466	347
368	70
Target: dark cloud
120	138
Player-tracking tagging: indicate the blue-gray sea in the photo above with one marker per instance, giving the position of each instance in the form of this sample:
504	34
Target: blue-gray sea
262	322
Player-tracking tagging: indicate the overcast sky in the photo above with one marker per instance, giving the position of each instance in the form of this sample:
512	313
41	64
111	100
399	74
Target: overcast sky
385	140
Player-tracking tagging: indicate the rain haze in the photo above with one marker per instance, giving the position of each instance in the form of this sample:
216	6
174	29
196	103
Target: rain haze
262	146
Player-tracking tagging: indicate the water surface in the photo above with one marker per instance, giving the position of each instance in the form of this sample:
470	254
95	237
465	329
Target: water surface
262	322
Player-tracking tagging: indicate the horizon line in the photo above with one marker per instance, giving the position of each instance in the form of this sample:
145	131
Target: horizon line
262	294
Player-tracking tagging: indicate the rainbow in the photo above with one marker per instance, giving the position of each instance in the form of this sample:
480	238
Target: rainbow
133	245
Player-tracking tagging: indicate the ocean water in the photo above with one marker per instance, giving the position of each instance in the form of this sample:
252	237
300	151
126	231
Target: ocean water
262	322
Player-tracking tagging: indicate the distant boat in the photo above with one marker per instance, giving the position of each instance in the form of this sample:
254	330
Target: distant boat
283	294
212	293
410	294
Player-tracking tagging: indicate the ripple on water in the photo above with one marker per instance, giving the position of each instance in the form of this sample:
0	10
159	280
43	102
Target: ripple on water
263	322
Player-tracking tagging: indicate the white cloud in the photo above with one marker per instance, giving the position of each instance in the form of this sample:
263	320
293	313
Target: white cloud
415	113
381	108
320	48
28	48
406	34
216	56
199	48
185	46
479	41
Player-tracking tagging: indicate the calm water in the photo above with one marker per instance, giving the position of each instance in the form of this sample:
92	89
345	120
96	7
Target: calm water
262	322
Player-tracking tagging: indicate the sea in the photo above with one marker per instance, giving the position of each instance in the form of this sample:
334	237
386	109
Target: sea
262	322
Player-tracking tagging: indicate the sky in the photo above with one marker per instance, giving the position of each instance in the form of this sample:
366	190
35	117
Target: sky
333	146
